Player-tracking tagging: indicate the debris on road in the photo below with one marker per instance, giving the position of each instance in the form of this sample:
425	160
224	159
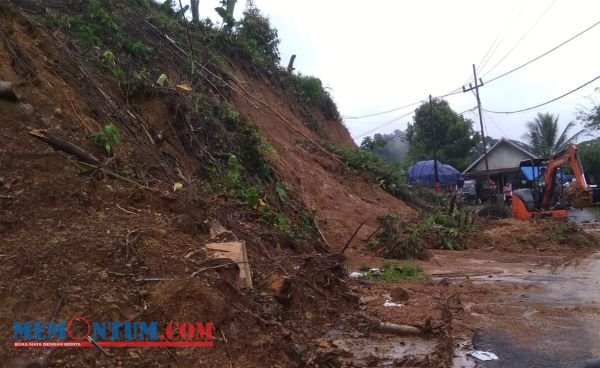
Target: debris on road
398	329
356	275
483	355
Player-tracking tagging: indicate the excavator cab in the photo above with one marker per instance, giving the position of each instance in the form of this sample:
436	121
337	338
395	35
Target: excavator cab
540	191
529	188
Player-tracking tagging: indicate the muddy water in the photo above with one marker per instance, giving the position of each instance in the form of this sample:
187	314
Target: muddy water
551	320
539	309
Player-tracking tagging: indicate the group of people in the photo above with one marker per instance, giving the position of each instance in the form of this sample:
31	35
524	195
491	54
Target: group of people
493	190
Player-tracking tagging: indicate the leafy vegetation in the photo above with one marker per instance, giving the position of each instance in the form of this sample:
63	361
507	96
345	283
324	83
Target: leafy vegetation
572	234
590	116
229	115
389	177
455	137
226	12
544	136
98	27
589	153
441	230
395	273
311	91
258	39
393	240
108	138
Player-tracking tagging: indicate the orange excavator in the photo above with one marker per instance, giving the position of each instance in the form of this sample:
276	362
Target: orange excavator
546	196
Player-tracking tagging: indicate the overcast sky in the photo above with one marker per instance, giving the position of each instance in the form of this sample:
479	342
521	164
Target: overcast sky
377	56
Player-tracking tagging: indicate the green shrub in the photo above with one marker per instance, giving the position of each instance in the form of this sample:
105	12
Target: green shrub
393	241
108	138
137	49
389	177
278	219
229	115
258	39
310	90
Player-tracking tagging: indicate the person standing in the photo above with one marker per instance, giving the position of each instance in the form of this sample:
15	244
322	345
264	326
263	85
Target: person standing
507	190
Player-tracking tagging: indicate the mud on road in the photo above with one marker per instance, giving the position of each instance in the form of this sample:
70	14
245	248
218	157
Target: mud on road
536	306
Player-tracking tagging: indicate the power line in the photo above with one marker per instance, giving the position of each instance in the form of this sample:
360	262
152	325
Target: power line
384	112
451	93
491	47
521	39
383	125
545	53
547	102
495	123
484	63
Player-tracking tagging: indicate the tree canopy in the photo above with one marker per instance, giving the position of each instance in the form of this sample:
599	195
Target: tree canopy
544	136
590	116
589	153
454	135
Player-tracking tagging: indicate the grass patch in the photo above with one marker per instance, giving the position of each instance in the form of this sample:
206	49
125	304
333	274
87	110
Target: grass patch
390	178
572	234
395	273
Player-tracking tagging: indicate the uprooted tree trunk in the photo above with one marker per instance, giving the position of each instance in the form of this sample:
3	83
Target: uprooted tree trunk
60	144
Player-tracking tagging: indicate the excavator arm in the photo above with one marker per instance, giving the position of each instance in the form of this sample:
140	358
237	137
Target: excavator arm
579	195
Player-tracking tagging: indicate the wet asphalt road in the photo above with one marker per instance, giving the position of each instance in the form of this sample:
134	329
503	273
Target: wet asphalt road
568	336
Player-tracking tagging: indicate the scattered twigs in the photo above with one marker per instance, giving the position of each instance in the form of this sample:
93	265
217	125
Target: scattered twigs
78	116
131	239
373	233
352	237
90	339
119	274
214	267
322	236
113	174
14	53
60	144
187	31
126	211
148	279
227	349
57	307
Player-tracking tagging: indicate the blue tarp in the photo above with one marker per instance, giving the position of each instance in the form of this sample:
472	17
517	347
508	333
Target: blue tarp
423	172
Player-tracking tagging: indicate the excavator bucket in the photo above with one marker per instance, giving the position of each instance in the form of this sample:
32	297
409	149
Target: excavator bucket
578	197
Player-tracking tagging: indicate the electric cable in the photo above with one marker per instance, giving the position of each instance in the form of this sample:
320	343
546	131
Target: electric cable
521	39
547	102
544	54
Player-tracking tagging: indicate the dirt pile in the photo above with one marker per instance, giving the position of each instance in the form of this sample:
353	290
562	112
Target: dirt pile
120	241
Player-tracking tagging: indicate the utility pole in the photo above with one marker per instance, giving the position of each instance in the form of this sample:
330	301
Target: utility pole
435	164
476	88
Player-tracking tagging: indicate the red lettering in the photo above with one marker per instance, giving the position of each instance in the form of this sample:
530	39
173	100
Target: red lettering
80	319
169	330
186	331
204	332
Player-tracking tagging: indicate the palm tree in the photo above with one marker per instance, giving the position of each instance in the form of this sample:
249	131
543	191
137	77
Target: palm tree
543	135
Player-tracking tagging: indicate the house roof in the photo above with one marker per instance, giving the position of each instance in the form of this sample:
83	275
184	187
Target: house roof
516	144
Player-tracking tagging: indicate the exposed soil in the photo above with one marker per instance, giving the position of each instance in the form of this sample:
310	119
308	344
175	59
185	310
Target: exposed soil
80	242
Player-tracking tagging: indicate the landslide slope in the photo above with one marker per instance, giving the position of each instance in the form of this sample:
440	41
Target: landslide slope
116	241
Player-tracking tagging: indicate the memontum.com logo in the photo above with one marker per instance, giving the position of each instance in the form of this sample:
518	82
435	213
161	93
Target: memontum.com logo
80	332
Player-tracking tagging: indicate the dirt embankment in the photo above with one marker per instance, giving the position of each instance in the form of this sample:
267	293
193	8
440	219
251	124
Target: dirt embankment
343	200
78	242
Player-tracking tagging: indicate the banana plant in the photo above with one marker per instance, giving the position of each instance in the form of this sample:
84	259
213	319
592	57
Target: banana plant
226	12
